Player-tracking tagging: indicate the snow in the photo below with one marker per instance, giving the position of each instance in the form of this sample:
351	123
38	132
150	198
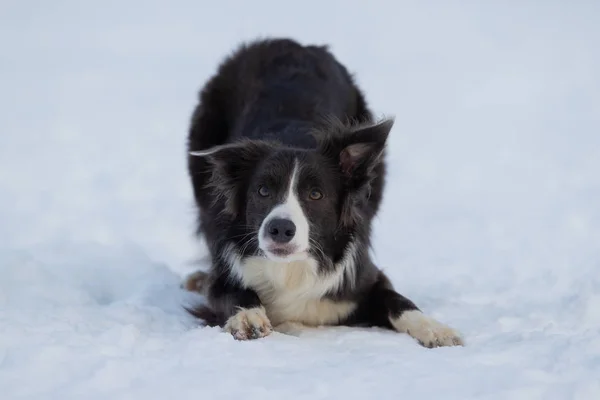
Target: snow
491	221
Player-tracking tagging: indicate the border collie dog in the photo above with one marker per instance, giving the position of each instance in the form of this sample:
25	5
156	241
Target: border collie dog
287	167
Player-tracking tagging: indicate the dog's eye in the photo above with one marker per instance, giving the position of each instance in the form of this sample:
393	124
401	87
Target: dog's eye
263	191
316	194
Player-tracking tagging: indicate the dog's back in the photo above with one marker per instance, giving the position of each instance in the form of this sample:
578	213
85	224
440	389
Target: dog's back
275	89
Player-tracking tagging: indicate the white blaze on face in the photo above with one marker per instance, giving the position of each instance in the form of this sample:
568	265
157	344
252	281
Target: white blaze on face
290	209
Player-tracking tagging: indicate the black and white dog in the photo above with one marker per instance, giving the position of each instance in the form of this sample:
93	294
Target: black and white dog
287	167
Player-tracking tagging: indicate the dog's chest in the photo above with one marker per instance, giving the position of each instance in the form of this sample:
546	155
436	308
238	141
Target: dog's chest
294	292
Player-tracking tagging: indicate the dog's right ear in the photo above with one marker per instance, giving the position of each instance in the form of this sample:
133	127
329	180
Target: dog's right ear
226	167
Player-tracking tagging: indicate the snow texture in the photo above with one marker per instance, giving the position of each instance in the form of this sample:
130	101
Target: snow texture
491	221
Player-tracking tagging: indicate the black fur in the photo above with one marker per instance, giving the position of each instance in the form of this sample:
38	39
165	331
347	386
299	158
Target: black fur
273	106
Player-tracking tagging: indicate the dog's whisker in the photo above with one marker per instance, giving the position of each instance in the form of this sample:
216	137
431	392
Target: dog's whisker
242	235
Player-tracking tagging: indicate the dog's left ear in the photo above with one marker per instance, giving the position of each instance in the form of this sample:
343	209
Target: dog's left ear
364	146
359	150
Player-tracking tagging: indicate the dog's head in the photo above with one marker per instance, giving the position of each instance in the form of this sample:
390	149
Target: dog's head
290	204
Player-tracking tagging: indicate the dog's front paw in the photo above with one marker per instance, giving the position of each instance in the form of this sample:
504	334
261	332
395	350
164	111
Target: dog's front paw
249	323
426	330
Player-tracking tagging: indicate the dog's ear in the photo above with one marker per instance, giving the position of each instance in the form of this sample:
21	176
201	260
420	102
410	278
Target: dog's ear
363	147
358	150
226	168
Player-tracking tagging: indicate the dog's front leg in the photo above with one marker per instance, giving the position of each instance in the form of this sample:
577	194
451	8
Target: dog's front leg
387	308
245	316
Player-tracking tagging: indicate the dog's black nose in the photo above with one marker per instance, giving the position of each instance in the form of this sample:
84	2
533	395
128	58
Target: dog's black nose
281	230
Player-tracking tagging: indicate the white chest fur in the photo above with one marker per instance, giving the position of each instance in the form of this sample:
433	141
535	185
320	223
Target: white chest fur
292	292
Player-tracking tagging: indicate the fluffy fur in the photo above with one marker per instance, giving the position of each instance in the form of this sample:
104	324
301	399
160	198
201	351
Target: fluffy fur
288	170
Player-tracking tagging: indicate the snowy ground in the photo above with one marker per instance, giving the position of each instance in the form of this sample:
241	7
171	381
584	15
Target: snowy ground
491	221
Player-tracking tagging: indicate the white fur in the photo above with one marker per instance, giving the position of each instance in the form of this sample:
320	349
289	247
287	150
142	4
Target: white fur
293	291
211	150
428	331
290	328
249	323
292	210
